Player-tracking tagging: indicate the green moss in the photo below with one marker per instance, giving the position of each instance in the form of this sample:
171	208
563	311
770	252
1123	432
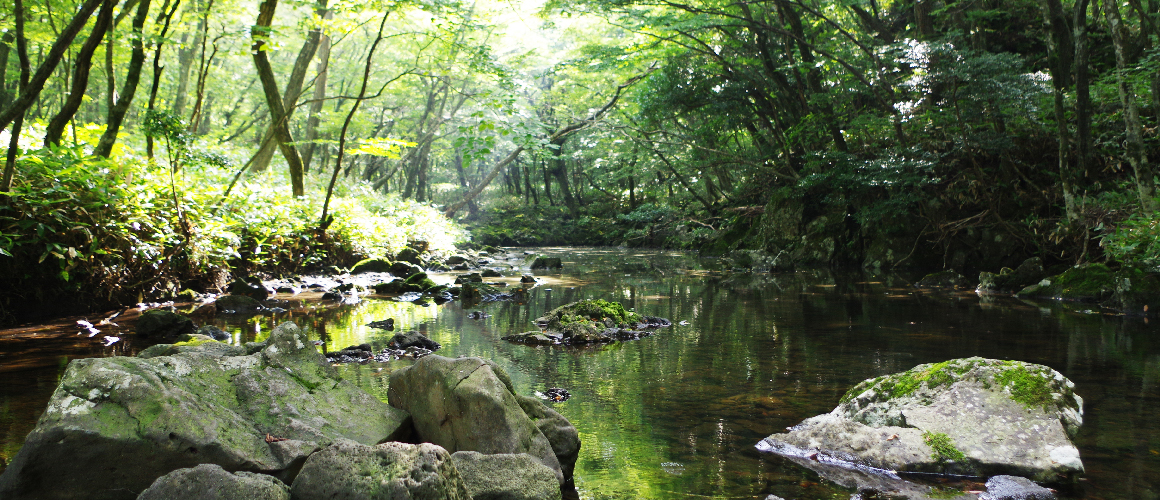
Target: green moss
597	310
1032	388
193	342
943	447
906	383
1089	282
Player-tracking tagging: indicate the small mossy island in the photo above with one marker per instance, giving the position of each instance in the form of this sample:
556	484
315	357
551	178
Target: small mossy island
588	322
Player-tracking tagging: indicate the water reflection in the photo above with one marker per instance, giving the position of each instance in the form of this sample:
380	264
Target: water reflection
676	414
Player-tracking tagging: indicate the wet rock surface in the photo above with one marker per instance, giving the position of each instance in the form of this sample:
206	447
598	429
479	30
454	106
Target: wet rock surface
1015	488
162	323
1009	281
263	408
971	416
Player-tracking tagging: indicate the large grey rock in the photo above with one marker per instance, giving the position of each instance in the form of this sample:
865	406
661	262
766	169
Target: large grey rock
116	424
467	404
970	416
389	471
560	432
211	482
506	476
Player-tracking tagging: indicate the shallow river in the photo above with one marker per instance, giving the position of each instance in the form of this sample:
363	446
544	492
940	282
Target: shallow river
676	415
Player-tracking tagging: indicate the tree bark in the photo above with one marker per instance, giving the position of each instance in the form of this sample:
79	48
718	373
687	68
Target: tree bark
164	18
1083	101
1145	180
278	114
312	119
1060	53
80	80
291	93
132	77
29	92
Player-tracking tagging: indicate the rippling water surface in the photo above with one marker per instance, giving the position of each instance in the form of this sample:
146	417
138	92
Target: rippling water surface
676	415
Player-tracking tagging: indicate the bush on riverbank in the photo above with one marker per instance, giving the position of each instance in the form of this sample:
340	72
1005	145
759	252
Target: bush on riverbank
80	232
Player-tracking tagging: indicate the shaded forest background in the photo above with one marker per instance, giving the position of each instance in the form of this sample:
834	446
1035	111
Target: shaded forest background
154	146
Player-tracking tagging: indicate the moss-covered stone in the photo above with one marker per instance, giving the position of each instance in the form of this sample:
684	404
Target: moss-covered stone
1137	292
1011	281
371	266
547	263
587	320
1087	283
943	447
942	279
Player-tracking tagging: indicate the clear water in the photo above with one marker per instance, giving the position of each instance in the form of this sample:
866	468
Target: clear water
676	415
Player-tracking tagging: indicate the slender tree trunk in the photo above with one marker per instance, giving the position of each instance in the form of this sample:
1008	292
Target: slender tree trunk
1145	181
529	193
259	33
165	18
5	47
132	77
1060	54
200	103
80	80
1083	100
25	74
923	19
312	118
30	92
326	220
560	172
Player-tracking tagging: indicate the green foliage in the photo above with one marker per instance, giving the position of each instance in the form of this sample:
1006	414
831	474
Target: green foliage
1135	240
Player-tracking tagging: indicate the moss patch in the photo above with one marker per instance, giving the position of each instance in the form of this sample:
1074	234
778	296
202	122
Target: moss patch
1089	282
193	342
1032	388
943	447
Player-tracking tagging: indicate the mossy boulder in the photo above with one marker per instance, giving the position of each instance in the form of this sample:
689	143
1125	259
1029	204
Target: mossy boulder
1085	283
547	263
384	471
114	425
243	287
971	416
372	266
1008	280
418	283
404	269
211	482
162	323
1130	290
587	321
506	476
469	278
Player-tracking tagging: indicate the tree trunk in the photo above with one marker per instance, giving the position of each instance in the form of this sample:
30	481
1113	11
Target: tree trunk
292	92
1060	53
29	92
1145	182
5	47
197	124
132	77
1083	101
278	114
80	80
922	18
164	18
560	172
312	119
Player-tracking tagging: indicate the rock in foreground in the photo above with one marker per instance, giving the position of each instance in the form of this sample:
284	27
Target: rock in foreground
468	404
211	482
387	471
506	476
972	416
116	424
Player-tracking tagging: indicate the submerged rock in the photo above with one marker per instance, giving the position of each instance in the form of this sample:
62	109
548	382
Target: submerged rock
161	323
547	263
386	471
971	416
237	304
114	425
506	476
942	279
211	482
468	404
1015	488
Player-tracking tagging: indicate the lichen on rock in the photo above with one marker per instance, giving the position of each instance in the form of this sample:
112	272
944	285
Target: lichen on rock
972	416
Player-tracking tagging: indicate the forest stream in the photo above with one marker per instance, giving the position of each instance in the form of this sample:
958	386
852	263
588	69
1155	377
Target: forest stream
676	415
